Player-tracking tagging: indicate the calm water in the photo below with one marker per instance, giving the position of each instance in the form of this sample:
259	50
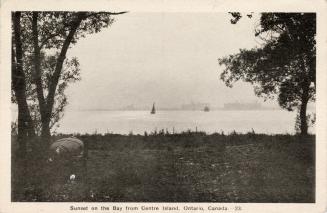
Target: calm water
124	122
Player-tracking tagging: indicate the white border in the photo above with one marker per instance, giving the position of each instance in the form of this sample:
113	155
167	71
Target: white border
318	6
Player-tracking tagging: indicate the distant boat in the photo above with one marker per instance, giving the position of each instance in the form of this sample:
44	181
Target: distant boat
153	111
206	109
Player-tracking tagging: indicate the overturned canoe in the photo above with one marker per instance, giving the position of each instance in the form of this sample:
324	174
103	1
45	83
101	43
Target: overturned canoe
67	148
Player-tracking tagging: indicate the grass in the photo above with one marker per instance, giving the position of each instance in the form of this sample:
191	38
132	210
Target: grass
184	167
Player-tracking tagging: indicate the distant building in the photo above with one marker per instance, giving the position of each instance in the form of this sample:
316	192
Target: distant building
129	107
242	106
194	106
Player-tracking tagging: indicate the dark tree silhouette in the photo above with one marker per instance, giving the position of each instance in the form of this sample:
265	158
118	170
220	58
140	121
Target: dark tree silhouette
41	69
25	124
285	65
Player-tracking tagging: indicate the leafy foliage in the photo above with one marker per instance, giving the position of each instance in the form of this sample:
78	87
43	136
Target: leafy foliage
284	66
46	37
53	27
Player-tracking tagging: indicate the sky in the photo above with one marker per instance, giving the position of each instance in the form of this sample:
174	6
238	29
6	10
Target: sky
167	58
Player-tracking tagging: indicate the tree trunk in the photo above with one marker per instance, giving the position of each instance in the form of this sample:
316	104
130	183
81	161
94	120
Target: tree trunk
46	105
303	107
37	74
22	130
45	133
25	124
303	115
37	80
60	60
305	96
46	117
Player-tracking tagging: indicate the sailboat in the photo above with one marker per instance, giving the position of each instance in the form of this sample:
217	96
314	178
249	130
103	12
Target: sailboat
153	111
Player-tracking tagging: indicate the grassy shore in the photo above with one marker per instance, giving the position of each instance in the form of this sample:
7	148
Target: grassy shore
184	167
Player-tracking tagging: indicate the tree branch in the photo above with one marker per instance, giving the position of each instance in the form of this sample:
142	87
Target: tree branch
55	78
106	13
47	39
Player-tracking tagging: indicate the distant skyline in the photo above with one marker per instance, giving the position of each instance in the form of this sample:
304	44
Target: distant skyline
185	106
167	58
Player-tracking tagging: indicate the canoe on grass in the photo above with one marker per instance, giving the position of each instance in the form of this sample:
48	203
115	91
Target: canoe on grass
66	148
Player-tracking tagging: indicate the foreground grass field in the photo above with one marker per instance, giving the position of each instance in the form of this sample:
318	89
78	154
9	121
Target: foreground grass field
187	167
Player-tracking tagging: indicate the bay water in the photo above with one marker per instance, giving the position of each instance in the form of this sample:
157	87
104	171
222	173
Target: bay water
137	122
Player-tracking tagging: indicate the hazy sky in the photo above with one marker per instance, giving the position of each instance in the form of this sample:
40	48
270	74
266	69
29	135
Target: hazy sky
167	58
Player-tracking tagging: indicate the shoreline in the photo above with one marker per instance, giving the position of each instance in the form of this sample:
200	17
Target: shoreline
164	132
